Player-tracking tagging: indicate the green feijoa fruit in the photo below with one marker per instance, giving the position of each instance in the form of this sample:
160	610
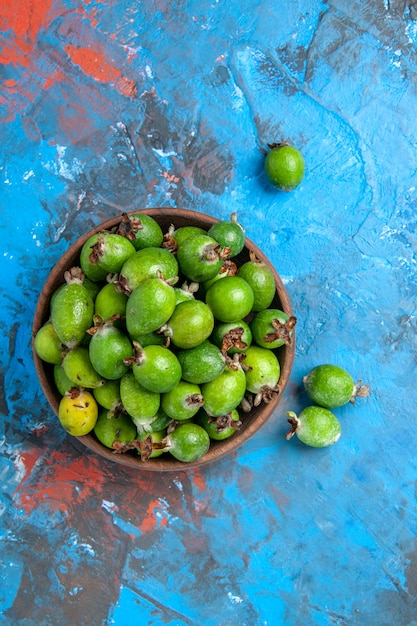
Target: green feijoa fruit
202	363
232	337
108	349
75	274
151	339
221	427
141	404
149	307
108	395
183	401
229	234
284	166
315	426
184	232
78	367
262	371
188	442
159	423
156	368
78	412
114	429
200	258
190	324
272	328
142	230
145	264
261	279
48	345
62	382
110	302
331	386
230	299
149	444
72	314
110	251
224	393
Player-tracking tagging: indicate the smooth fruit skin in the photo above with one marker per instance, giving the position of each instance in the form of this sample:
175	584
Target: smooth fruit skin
158	370
78	412
148	263
150	305
230	299
141	404
262	281
110	302
79	368
72	314
202	363
284	167
198	258
224	393
150	234
229	234
315	426
264	369
114	427
48	346
108	347
329	386
188	442
191	323
183	401
108	395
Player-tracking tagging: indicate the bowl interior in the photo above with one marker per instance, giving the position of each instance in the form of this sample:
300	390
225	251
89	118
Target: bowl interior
252	421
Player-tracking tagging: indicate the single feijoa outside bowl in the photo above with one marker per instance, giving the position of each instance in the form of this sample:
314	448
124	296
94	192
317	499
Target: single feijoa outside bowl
252	419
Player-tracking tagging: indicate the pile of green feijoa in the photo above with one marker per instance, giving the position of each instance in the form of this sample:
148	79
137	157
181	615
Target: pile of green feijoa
160	342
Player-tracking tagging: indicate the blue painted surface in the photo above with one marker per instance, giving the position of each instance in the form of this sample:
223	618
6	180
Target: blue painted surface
118	104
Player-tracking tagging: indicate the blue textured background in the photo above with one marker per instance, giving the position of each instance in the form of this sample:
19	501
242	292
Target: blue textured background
113	105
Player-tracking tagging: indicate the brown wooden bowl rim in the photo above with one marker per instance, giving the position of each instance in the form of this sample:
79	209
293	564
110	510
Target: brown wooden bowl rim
166	462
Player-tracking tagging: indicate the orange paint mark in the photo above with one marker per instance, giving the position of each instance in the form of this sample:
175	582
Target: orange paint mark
199	480
95	64
151	520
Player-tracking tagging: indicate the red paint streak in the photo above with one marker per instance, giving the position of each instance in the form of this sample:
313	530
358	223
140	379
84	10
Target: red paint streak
24	18
150	520
57	488
199	480
95	65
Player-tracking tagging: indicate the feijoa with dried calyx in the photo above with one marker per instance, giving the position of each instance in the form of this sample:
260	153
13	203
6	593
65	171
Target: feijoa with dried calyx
104	253
183	401
108	395
262	371
155	367
190	324
331	386
110	302
224	393
114	429
272	328
229	234
142	230
78	412
220	427
315	426
108	348
147	263
200	257
188	442
232	337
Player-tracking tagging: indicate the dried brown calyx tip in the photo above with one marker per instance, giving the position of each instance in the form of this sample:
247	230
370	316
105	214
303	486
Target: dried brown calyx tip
137	357
282	330
169	242
228	266
194	400
254	259
97	250
293	422
99	322
129	226
277	144
266	394
233	339
74	392
225	421
246	404
74	275
235	362
360	391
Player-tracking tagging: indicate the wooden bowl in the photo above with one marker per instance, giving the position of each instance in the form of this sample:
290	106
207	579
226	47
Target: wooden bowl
252	421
